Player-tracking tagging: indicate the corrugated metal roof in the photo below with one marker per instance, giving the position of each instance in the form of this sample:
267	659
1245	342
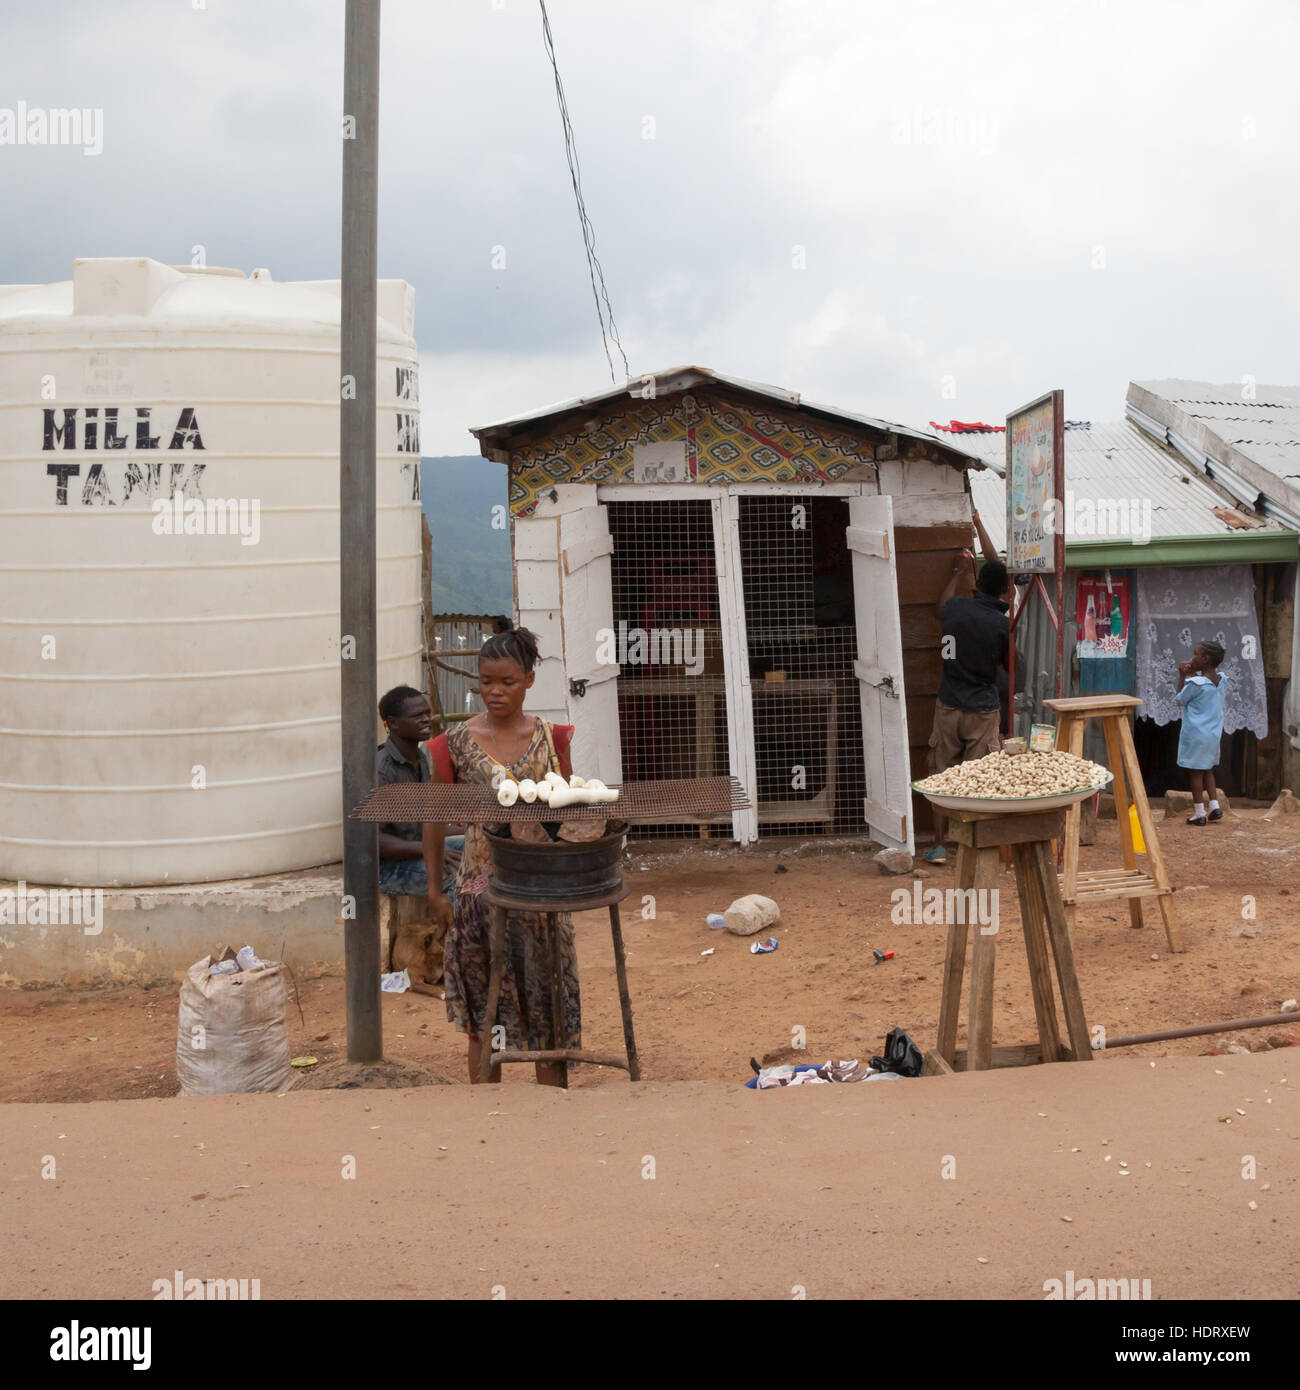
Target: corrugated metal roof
1266	429
684	378
1114	461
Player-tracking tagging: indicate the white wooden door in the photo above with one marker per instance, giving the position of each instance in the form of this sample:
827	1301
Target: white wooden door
590	659
735	661
879	670
536	543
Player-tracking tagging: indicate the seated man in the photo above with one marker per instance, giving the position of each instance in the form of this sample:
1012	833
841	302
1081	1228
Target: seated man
408	718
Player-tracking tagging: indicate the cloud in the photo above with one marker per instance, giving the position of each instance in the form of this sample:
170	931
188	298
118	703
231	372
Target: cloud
953	174
459	390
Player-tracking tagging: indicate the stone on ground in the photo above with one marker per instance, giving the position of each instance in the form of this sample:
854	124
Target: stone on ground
893	861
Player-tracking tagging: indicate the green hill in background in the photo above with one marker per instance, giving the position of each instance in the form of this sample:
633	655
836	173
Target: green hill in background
471	558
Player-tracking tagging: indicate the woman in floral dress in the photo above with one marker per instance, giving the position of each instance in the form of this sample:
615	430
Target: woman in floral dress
476	751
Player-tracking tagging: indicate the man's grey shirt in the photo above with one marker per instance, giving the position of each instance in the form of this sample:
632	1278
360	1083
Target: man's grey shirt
391	766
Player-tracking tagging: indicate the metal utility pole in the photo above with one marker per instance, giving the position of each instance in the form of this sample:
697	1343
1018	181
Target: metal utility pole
357	519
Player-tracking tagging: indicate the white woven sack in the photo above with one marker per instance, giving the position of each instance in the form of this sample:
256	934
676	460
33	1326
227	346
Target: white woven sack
231	1035
751	914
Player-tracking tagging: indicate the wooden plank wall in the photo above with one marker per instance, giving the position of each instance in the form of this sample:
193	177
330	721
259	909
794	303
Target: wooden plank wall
1275	610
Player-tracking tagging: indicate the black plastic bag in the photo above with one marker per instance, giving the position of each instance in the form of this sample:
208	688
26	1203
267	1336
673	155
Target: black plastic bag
901	1055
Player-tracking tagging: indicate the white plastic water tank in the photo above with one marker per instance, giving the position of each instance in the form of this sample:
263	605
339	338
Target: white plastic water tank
170	703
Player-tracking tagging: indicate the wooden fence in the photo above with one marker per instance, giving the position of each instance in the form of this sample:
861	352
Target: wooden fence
454	644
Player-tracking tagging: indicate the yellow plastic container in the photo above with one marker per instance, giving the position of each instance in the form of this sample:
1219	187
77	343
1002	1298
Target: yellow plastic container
1135	830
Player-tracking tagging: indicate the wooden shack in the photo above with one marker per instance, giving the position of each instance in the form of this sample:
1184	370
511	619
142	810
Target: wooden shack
729	579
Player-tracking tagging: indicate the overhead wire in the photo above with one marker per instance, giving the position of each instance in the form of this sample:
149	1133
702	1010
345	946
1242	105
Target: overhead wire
604	311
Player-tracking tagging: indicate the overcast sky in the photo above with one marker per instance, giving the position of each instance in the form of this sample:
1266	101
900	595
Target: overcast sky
877	204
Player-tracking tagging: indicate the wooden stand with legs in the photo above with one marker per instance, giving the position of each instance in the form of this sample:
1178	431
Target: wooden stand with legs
550	909
979	838
1101	885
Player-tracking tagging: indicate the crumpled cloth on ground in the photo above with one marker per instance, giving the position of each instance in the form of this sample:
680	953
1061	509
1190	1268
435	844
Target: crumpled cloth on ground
788	1076
810	1075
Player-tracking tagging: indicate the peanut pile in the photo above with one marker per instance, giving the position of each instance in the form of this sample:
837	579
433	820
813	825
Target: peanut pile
1028	774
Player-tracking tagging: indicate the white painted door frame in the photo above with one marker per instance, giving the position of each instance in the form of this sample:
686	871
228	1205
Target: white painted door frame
813	490
587	613
879	669
656	492
735	662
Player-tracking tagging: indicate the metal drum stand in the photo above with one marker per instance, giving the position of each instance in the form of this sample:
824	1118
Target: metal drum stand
550	908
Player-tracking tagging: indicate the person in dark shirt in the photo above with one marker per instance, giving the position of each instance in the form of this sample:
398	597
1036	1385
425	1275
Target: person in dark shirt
408	717
976	644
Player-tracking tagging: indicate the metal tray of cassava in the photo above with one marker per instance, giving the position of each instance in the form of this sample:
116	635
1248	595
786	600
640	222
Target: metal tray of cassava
464	803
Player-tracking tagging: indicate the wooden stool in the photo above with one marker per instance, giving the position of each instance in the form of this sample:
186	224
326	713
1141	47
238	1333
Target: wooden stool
979	838
1100	885
500	904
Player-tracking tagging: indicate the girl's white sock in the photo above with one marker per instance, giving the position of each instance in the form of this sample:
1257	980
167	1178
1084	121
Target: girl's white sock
1214	803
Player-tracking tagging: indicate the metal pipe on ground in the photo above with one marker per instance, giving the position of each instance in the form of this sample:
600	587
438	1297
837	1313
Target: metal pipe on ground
1233	1025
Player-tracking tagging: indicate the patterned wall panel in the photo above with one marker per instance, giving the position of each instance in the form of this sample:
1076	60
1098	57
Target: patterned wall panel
726	442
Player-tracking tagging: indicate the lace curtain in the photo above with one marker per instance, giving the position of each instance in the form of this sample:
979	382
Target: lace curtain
1179	607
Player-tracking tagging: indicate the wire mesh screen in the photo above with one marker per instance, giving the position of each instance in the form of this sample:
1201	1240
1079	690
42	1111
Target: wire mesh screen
798	581
671	702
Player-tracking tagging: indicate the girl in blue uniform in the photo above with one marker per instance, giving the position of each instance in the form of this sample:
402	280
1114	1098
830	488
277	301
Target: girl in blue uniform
1201	693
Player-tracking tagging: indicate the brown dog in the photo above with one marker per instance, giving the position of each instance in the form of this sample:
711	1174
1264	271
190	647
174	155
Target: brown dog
417	949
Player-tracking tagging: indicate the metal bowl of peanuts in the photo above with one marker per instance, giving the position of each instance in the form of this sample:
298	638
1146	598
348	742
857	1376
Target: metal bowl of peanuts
1003	782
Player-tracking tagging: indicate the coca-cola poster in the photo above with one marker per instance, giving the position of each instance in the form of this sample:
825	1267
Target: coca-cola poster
1104	608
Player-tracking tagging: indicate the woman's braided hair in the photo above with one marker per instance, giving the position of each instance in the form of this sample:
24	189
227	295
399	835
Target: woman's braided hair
516	644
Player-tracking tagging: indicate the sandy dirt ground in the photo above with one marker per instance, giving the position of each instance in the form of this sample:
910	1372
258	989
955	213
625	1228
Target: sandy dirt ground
675	1190
687	1185
703	1017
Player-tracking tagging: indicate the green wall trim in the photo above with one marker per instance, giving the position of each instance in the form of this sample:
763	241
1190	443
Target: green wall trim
1240	548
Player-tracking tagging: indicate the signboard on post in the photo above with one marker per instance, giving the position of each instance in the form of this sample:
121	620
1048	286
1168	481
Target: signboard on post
1036	514
1035	484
